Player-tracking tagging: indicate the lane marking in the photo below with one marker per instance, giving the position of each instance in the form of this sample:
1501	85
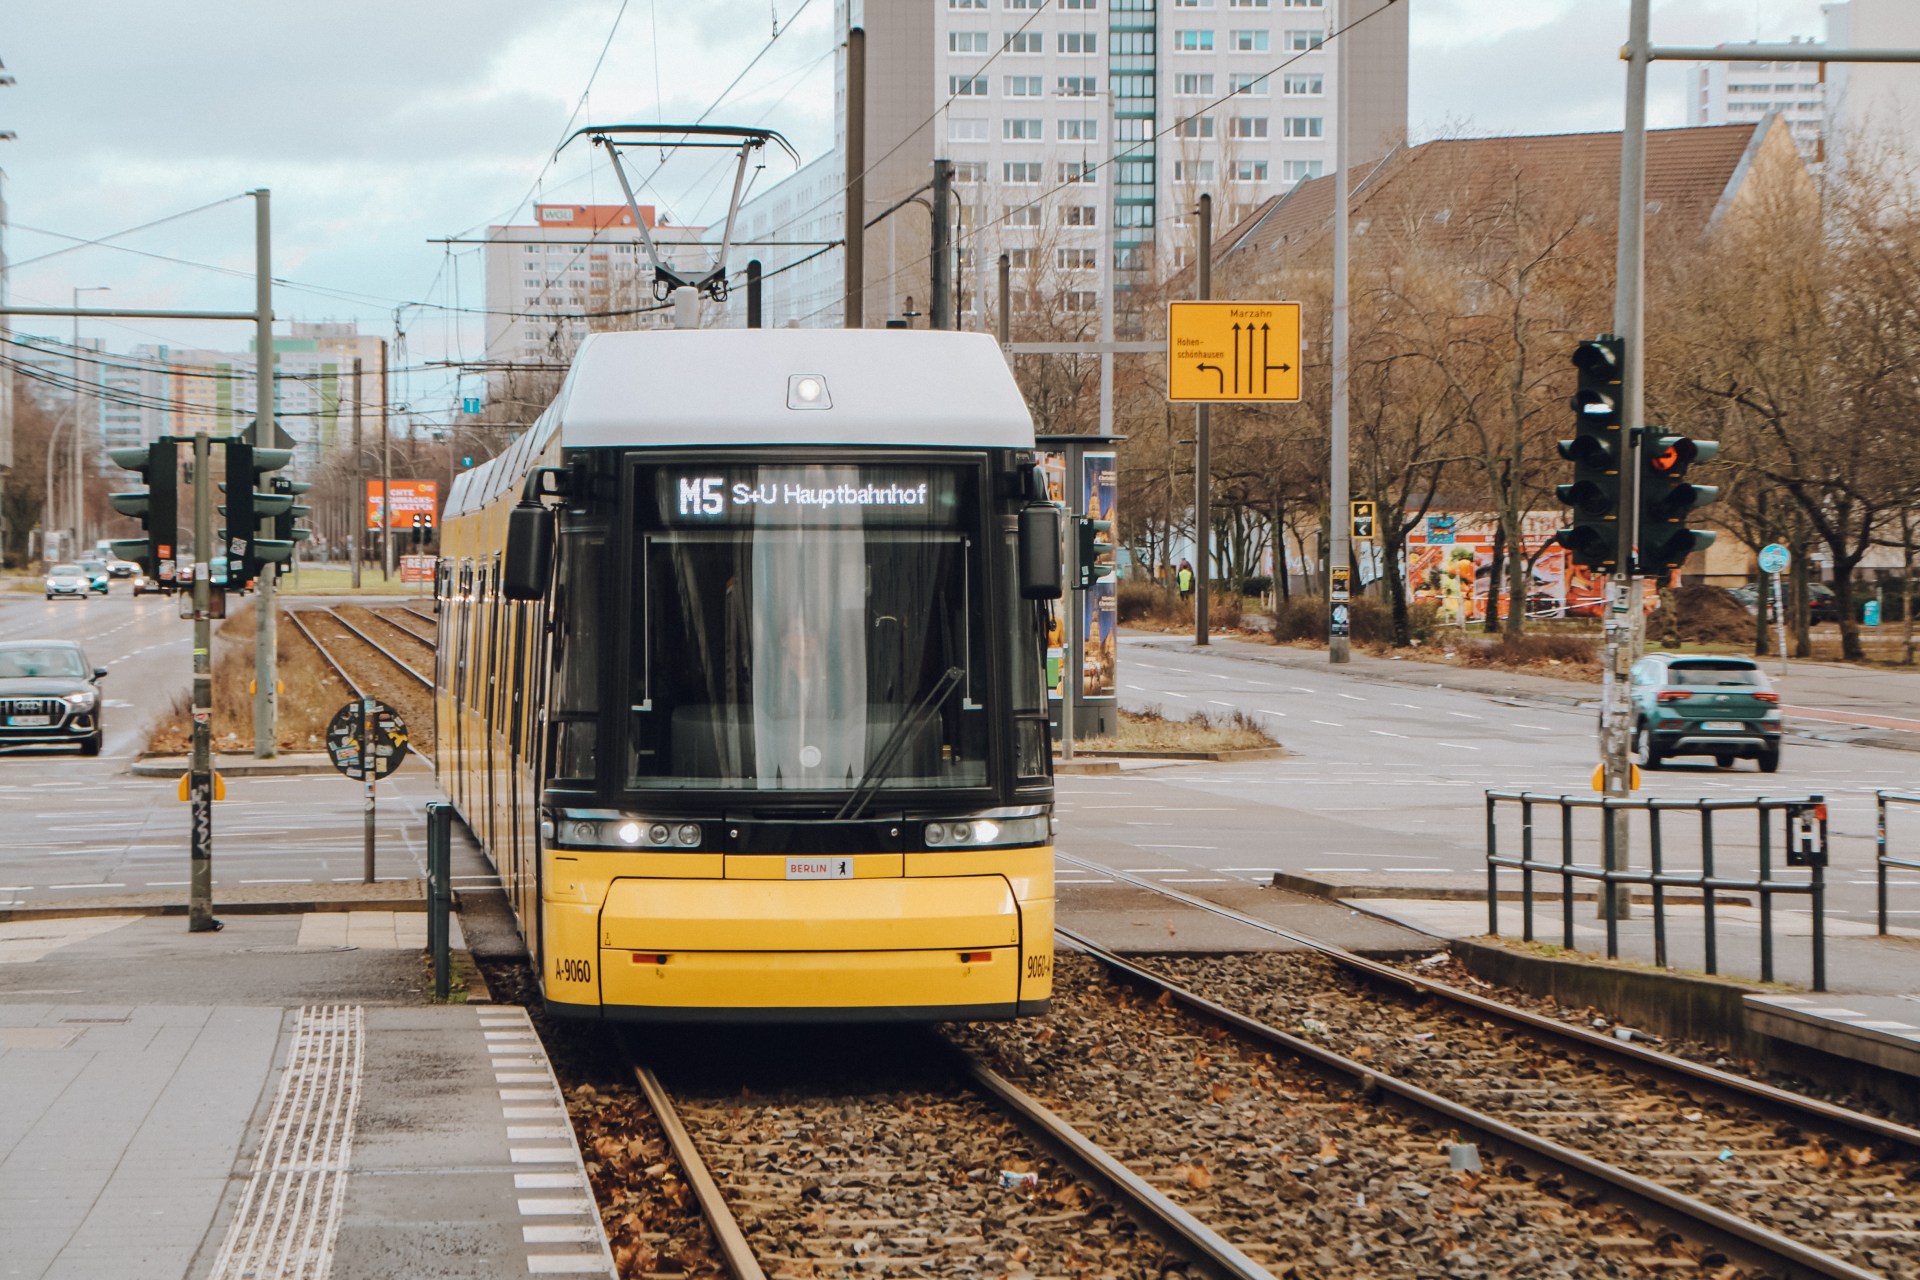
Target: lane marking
1457	746
1330	724
1383	733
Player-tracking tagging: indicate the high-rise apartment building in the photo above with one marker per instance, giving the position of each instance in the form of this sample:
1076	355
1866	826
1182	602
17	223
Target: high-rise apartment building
1067	121
1874	104
1743	92
573	270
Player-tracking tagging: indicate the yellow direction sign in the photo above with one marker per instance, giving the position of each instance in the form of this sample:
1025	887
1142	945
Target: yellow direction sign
1233	352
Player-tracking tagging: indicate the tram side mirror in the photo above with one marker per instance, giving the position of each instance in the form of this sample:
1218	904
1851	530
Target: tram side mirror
1040	571
529	562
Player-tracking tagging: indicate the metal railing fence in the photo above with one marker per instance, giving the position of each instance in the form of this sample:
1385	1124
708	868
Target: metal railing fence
1883	860
1804	816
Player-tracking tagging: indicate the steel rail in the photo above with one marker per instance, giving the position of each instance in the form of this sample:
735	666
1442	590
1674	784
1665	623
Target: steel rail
1649	1198
293	616
735	1252
1763	1097
1152	1206
376	646
353	687
1158	1212
434	619
402	628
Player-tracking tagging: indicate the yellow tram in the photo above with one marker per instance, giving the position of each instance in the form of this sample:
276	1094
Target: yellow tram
740	679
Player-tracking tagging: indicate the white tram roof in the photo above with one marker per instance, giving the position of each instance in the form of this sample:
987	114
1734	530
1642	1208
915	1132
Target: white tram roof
735	387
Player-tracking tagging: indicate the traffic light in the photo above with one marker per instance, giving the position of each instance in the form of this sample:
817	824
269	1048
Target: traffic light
157	510
1667	500
247	507
1595	452
1092	535
283	526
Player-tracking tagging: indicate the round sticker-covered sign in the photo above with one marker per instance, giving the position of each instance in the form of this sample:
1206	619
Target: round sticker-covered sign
386	742
1774	558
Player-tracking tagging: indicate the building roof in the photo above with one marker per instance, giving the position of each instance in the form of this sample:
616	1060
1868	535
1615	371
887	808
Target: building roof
1691	173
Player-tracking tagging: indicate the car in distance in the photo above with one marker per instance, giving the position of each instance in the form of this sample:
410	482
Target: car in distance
49	695
68	581
143	585
1698	705
118	568
97	575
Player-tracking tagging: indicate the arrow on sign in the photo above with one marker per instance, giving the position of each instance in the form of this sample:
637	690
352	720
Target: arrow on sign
1222	374
1267	368
1236	352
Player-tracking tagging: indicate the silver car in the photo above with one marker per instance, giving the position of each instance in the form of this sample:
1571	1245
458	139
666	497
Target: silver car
68	581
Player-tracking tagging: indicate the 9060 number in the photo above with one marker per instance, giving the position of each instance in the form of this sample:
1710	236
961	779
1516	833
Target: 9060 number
1039	966
573	970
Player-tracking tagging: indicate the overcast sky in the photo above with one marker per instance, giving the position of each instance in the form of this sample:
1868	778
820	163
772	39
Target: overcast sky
378	126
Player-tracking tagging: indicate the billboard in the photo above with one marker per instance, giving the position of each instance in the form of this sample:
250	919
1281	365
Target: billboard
410	498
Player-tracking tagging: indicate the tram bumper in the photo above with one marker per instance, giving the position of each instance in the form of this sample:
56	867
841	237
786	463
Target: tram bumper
915	948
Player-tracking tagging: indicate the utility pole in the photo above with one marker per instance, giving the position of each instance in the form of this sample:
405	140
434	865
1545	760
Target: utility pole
357	526
200	767
940	251
386	473
1203	449
76	489
1339	642
266	634
854	218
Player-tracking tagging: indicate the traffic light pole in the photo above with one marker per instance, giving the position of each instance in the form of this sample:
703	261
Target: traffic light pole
266	634
1625	624
200	766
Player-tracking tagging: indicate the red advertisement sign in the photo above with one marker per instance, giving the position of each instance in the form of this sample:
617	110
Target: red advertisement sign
410	498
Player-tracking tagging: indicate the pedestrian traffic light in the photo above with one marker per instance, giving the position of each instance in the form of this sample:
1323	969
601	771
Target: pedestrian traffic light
1595	452
283	524
1094	548
247	509
1667	499
157	510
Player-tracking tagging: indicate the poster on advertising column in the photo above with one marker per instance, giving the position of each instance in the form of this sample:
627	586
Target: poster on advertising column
1054	467
1098	617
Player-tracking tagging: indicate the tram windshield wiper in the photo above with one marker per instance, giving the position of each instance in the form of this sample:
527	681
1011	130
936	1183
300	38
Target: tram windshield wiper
883	759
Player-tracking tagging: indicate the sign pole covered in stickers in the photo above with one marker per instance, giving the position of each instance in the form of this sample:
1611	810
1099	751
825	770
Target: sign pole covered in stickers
367	739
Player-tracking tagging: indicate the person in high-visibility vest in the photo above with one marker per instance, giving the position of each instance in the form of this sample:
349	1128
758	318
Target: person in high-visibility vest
1184	580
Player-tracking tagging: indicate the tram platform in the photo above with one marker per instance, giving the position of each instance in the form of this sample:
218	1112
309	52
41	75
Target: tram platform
259	1101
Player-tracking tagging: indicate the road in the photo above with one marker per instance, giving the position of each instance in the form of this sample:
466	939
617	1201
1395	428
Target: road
1390	776
1381	776
82	827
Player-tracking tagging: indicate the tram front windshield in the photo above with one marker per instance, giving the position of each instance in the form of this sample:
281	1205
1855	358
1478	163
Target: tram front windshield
807	628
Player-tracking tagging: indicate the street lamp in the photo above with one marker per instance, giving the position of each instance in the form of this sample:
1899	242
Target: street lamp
77	492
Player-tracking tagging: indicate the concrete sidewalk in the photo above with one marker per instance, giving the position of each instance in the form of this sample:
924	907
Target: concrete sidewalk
155	1133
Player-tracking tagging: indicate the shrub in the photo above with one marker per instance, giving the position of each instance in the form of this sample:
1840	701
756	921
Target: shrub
1255	584
1532	649
1142	600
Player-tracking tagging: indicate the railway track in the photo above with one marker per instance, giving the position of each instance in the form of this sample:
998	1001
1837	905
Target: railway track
386	618
943	1168
1793	1185
431	619
370	669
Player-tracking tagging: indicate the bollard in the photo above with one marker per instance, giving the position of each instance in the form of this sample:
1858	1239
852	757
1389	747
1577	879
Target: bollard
439	892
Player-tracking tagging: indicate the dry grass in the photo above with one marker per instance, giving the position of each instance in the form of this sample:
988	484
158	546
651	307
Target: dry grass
339	582
1149	730
309	695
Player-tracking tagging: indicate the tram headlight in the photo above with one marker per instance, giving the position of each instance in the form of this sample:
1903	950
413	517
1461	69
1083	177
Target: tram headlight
629	833
659	833
688	835
981	833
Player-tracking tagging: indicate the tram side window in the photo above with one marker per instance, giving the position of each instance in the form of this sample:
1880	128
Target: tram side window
1025	622
575	717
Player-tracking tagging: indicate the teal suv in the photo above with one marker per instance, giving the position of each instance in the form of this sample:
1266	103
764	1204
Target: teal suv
1700	706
